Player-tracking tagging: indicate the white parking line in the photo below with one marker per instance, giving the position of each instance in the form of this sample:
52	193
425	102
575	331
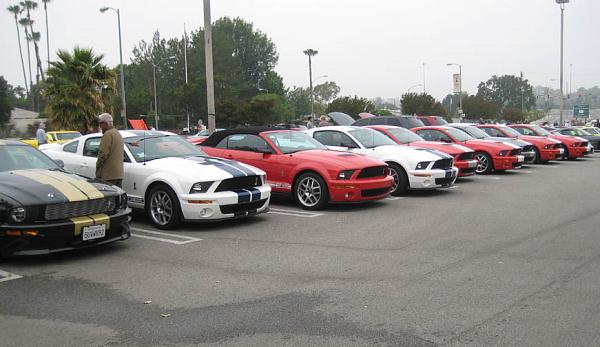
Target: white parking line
454	187
489	177
294	213
186	239
394	198
526	171
548	166
7	276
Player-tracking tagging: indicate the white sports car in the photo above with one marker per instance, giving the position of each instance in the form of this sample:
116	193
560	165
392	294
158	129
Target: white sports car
412	168
172	179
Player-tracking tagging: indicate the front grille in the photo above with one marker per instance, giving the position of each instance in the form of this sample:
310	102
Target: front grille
443	164
237	183
517	164
444	181
583	144
79	208
467	156
374	192
557	146
374	171
243	209
528	148
515	152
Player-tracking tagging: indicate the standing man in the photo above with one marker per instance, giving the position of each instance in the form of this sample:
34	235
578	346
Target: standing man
109	166
40	135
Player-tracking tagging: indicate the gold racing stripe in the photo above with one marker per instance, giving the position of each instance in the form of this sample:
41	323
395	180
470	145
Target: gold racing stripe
84	186
101	219
68	190
81	222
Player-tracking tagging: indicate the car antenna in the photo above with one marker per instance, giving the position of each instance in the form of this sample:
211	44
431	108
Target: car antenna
144	147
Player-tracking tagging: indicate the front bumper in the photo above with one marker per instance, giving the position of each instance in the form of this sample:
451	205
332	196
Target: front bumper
576	152
430	179
357	190
60	236
225	205
529	156
508	163
466	167
589	149
551	154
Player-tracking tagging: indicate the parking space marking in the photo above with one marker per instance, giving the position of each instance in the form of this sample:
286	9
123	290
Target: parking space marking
394	198
489	177
184	239
294	213
454	186
7	276
526	171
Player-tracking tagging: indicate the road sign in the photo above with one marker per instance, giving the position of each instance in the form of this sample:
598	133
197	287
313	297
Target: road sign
581	111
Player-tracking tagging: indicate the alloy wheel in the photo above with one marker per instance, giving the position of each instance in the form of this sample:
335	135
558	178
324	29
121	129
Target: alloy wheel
483	163
309	191
161	207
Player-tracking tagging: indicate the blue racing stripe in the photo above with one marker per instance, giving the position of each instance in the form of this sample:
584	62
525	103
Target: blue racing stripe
221	164
255	194
240	167
243	196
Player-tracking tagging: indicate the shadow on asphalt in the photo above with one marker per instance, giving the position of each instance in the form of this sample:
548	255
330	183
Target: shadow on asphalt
68	256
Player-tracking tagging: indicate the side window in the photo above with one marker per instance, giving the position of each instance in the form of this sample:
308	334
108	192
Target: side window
394	121
91	147
247	142
433	135
361	122
334	138
525	131
71	147
223	143
495	132
377	121
425	121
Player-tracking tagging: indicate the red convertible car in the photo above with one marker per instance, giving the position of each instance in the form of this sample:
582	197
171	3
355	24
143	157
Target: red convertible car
299	165
464	157
574	147
545	148
498	156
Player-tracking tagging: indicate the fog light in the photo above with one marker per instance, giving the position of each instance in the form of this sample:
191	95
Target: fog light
205	212
427	183
30	233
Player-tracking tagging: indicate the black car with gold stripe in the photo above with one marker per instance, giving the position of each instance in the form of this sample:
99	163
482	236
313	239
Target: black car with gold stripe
44	210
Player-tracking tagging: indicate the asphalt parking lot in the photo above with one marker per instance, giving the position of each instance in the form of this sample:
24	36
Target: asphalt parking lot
504	259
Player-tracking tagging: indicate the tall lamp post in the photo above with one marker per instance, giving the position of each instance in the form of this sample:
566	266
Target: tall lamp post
459	85
122	71
562	3
154	65
424	91
311	53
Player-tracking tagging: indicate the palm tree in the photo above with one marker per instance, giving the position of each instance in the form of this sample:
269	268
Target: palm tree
25	23
16	11
29	6
311	52
79	87
47	32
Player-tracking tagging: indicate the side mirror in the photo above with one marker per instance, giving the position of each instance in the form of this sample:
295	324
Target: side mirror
264	150
60	163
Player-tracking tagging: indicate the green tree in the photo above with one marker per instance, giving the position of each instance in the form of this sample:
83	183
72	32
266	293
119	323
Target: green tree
5	105
79	88
273	84
513	115
508	91
299	100
325	92
351	105
475	106
421	104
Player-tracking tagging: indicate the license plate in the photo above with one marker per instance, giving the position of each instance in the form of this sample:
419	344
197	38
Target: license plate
520	158
561	151
472	164
94	232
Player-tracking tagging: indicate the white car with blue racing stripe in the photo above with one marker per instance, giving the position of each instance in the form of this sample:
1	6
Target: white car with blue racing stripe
412	168
173	180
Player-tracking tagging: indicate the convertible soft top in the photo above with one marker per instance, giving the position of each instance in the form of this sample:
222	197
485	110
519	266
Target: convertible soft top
216	137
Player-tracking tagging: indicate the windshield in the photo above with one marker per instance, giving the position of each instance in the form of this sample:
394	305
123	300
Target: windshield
511	132
441	120
581	132
412	122
156	147
541	131
370	138
476	132
67	136
404	135
293	141
24	158
459	135
592	131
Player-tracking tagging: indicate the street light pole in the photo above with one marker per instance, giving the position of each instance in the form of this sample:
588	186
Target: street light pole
569	90
424	91
459	85
121	68
562	25
208	58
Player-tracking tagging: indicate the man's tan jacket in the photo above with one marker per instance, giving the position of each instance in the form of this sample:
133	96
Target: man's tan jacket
110	156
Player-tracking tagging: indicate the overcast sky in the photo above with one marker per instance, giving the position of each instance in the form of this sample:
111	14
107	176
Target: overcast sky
369	48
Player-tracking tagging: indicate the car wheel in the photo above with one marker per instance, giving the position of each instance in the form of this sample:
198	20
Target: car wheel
162	206
484	163
566	152
310	191
400	185
537	157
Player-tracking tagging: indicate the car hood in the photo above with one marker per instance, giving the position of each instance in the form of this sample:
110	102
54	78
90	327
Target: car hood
448	148
493	144
567	138
43	187
516	142
538	139
413	153
340	118
203	168
340	159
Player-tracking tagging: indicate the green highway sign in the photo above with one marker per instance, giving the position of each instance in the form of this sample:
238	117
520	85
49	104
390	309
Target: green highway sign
581	111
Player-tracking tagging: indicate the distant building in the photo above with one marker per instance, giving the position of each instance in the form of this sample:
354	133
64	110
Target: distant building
20	119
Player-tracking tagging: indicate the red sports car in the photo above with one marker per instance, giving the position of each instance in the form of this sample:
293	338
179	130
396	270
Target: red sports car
491	155
299	165
545	148
464	157
574	147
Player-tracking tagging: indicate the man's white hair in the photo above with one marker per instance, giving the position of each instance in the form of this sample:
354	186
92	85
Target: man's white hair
106	117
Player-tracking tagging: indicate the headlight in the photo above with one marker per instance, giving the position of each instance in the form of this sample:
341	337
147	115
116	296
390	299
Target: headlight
201	187
548	146
121	202
503	153
575	144
423	165
345	175
18	214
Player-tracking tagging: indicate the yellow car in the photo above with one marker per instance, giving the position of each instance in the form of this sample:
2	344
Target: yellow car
60	137
592	130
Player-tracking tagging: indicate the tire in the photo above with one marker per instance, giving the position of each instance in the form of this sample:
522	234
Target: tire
566	153
310	191
400	185
537	159
162	207
484	163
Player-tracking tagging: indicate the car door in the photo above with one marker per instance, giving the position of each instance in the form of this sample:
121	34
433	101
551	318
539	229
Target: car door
89	156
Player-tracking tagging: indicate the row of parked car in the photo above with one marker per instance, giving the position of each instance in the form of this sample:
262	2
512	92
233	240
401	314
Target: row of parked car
50	201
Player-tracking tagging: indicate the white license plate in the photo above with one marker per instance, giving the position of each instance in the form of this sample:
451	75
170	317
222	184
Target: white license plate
562	151
472	164
94	232
520	158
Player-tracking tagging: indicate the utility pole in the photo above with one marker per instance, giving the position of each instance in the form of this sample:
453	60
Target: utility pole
185	44
522	94
569	90
562	27
208	57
